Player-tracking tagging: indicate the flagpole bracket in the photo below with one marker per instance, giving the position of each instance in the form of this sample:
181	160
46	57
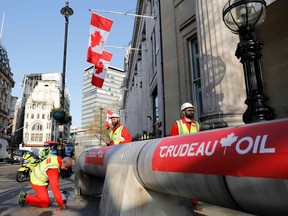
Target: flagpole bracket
123	13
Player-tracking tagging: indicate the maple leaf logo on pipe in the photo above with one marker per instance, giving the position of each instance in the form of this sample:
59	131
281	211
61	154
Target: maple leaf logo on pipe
228	141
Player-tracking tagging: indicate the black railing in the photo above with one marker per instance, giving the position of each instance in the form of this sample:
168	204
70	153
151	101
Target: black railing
147	136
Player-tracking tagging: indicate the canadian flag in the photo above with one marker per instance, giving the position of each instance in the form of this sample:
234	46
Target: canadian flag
108	120
100	69
99	30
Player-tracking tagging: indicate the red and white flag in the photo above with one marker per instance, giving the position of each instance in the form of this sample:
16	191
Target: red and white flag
99	30
108	120
100	69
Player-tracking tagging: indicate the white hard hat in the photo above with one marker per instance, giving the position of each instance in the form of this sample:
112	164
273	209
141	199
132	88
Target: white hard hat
114	115
186	105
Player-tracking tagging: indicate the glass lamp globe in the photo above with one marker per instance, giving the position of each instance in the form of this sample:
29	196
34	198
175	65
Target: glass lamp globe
244	15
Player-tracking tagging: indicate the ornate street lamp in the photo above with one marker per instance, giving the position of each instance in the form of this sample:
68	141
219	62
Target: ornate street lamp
62	114
66	12
243	17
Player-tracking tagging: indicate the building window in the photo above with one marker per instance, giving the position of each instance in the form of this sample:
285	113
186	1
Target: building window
195	77
36	137
37	127
154	48
48	136
155	108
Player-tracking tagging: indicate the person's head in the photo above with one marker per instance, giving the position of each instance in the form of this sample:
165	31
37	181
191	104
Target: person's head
115	119
46	146
45	151
66	163
187	110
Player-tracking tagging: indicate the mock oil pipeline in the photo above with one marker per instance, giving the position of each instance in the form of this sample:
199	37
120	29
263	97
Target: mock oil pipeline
217	166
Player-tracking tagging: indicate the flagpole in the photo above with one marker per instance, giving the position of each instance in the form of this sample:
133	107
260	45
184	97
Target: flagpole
123	13
123	47
2	26
66	12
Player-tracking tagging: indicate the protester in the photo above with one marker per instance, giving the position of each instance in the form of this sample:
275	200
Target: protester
119	134
68	150
46	173
46	152
187	125
145	136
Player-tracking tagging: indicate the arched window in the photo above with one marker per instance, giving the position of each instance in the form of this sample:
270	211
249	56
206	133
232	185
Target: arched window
36	135
37	127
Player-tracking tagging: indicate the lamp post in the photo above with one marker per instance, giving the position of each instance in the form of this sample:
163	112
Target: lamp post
66	12
242	17
101	110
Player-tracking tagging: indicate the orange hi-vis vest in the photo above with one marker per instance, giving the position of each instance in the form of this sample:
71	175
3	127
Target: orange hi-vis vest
183	129
116	136
39	176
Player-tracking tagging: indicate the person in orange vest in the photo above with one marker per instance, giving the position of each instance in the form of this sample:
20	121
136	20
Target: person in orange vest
119	134
46	172
187	125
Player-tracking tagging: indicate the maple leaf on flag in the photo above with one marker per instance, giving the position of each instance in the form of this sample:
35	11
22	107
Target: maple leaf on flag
99	67
228	141
96	39
99	30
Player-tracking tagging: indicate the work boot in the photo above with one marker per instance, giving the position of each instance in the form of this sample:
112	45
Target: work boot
22	198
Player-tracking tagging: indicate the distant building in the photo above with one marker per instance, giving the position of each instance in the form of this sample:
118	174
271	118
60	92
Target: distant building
6	100
188	54
106	97
34	124
94	98
143	99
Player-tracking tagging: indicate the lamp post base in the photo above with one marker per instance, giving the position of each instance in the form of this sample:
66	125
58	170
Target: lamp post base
249	53
258	110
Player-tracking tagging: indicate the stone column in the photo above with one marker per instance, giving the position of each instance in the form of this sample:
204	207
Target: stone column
222	76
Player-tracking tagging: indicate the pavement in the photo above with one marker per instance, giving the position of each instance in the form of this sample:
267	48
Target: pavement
83	205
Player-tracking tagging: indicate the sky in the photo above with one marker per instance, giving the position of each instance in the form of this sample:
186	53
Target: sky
33	35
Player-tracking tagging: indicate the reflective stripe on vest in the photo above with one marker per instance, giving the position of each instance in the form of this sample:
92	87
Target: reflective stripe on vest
145	136
39	176
183	129
116	136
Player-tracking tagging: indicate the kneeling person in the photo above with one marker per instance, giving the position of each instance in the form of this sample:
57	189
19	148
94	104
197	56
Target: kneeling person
47	172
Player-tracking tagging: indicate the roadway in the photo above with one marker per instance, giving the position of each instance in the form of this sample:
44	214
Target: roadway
77	205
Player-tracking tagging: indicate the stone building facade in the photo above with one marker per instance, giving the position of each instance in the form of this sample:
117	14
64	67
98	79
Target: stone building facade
186	53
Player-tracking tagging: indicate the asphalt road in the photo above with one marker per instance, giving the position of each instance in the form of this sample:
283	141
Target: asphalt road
77	205
10	188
